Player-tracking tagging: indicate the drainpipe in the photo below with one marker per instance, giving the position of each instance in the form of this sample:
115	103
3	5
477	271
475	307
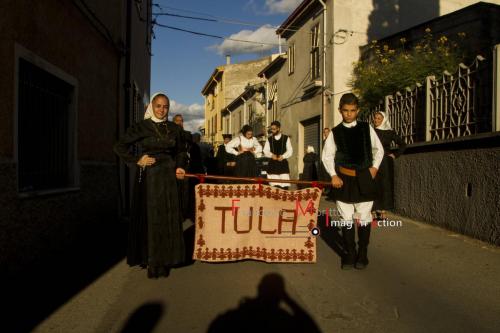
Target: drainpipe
244	111
323	81
230	122
267	101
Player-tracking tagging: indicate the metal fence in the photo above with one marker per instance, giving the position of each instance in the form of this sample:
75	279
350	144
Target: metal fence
453	105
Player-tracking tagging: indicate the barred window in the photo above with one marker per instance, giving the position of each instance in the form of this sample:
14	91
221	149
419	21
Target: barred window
315	52
46	131
273	100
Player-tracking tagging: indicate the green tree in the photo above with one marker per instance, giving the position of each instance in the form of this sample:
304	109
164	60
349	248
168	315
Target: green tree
387	70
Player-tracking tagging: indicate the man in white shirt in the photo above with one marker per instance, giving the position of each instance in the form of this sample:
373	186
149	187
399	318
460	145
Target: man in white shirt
352	155
278	148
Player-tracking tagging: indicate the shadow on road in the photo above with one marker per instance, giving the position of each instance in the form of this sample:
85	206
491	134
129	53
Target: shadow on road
145	318
35	292
264	314
332	236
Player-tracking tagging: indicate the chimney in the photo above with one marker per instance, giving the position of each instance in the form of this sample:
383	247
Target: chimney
228	59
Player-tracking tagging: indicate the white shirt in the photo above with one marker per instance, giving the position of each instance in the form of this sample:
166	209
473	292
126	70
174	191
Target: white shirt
287	154
329	150
244	143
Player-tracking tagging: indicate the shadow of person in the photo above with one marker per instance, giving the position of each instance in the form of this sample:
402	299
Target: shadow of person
264	314
144	319
332	236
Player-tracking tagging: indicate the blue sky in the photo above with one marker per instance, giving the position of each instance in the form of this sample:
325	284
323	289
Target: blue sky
182	62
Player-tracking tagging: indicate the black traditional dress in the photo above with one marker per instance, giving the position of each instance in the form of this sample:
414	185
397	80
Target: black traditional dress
223	161
246	165
155	232
278	148
385	175
310	171
183	184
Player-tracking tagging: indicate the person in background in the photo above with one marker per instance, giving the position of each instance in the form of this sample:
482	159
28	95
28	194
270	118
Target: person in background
385	175
183	185
206	151
278	148
310	171
225	161
195	167
322	173
247	148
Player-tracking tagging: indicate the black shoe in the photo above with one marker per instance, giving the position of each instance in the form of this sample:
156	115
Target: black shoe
349	257
348	262
362	259
155	272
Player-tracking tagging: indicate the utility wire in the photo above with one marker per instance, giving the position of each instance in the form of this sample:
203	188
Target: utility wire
215	19
212	36
342	34
218	20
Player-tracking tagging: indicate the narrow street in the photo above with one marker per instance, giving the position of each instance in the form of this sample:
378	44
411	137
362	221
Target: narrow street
420	279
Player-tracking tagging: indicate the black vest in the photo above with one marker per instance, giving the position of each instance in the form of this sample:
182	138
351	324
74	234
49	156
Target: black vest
354	148
278	147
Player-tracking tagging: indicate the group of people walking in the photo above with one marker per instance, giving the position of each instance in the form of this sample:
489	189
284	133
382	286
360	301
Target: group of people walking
356	157
237	156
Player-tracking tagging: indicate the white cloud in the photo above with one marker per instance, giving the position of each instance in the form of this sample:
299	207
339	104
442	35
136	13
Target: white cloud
265	34
271	7
193	125
281	6
194	114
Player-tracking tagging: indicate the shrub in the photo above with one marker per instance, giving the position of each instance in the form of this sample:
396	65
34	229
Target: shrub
387	70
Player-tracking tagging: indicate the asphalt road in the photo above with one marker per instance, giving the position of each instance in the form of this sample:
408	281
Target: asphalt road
420	279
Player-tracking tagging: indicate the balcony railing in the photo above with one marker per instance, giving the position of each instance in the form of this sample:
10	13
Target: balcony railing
443	108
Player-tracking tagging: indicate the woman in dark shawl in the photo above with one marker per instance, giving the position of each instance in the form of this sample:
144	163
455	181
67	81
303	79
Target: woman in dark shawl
155	237
385	174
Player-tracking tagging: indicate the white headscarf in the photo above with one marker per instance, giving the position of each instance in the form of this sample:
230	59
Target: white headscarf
386	124
149	111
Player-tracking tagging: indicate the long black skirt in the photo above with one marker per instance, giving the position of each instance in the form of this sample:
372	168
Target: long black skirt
155	236
385	185
246	166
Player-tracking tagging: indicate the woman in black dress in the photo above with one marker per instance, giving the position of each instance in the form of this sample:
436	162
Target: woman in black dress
385	174
155	233
310	170
247	148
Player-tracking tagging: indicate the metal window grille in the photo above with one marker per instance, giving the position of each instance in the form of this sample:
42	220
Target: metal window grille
315	52
45	131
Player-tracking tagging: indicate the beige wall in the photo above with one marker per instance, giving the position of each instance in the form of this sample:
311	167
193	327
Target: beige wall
234	79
